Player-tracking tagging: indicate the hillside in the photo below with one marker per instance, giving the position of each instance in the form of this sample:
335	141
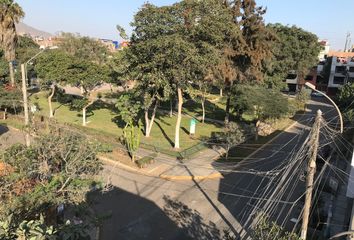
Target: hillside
23	28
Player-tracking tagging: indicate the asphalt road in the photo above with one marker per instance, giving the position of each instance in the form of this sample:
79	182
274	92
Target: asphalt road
282	150
141	207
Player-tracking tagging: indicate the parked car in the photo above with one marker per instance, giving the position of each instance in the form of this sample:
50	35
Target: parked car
317	94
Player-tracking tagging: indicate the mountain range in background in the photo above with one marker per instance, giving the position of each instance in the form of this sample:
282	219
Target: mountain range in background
23	28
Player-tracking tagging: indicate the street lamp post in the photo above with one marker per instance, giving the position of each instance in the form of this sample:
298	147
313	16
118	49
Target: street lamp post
32	58
311	86
24	93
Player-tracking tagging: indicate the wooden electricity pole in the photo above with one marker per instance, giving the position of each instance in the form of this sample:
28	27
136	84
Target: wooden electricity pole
25	105
311	169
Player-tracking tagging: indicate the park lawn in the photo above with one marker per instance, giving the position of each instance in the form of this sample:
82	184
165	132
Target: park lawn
162	133
100	119
214	108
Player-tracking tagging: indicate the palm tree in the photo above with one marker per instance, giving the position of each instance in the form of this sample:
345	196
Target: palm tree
10	13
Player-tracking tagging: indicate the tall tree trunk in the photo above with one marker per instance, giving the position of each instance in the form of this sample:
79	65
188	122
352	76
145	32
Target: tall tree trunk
203	109
257	129
51	114
12	74
227	110
171	108
151	121
14	108
84	112
179	117
147	123
220	92
5	114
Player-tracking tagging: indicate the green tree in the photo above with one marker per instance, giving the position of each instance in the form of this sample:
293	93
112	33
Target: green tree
10	13
345	96
293	49
268	230
261	103
130	108
10	98
233	135
4	68
152	86
180	56
88	75
54	68
57	169
245	54
301	99
83	48
345	99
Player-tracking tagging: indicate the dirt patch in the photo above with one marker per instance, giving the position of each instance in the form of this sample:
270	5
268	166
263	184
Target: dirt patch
120	156
5	169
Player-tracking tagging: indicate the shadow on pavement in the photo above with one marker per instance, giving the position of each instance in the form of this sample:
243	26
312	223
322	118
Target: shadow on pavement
240	191
129	216
3	129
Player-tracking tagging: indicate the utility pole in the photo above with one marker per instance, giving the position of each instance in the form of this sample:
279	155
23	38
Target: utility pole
347	40
311	169
25	105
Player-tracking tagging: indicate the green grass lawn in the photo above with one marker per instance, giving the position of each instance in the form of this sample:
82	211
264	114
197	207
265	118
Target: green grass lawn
162	134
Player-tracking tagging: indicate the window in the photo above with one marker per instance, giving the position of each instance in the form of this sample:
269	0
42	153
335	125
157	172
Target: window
338	80
341	69
351	69
351	80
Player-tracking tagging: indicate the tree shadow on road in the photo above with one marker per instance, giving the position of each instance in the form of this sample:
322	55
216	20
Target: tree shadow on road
129	216
190	220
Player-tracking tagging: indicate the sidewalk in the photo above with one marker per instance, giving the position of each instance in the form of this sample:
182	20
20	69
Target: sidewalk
169	168
199	167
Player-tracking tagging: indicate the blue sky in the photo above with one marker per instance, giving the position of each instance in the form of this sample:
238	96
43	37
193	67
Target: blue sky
329	19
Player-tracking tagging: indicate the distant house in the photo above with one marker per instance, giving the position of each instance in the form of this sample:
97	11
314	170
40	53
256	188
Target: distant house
124	44
111	45
292	81
47	42
336	72
295	82
324	51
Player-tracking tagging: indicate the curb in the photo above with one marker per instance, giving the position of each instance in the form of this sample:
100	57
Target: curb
185	178
122	166
162	176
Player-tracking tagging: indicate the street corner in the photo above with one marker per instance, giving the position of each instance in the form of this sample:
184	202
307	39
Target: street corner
212	176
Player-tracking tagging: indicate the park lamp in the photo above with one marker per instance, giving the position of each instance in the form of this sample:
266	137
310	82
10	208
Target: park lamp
313	87
36	55
24	93
40	52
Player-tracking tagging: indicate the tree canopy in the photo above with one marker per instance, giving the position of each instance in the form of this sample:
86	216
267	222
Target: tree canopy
294	49
58	169
83	47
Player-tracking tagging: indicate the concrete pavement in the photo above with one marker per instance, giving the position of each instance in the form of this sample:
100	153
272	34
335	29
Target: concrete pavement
10	136
197	168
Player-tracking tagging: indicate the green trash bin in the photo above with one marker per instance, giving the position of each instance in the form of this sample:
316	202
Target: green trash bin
192	126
